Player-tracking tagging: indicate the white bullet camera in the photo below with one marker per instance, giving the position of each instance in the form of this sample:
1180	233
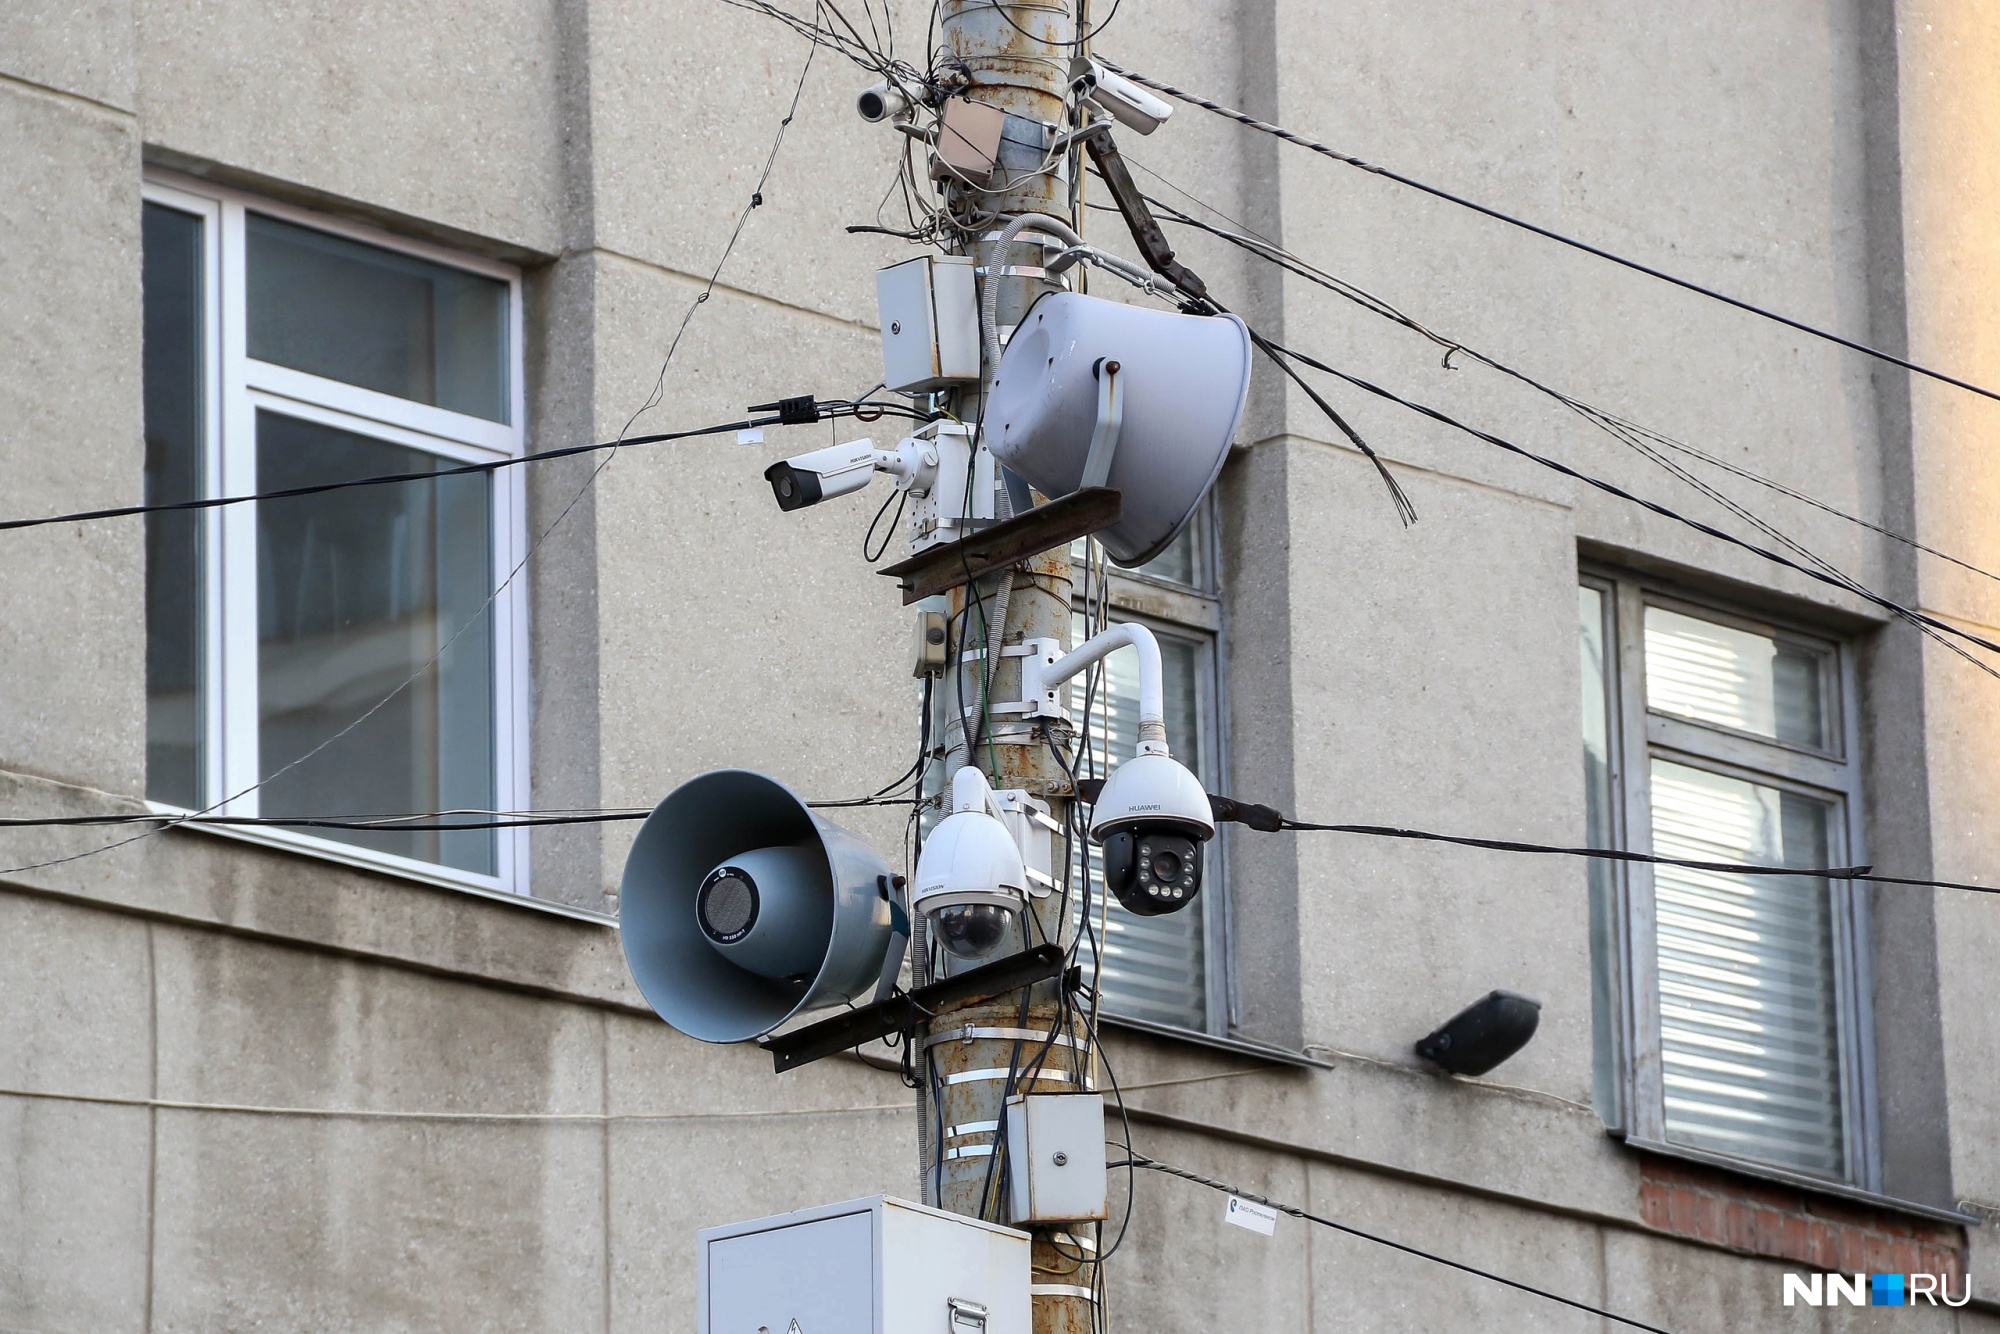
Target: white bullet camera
1128	103
882	101
838	470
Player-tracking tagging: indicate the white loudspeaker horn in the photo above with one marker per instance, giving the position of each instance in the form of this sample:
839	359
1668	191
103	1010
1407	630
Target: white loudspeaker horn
741	908
1098	393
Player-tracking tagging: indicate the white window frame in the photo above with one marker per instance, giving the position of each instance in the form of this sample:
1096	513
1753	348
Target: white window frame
236	387
1176	611
1635	737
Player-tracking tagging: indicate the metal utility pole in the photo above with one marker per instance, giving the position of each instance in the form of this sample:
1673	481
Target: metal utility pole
1016	59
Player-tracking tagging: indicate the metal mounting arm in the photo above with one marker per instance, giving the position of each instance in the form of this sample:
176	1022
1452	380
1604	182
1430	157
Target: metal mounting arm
1042	673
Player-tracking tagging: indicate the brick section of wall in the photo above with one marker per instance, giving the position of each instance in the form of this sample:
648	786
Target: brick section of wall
1817	1231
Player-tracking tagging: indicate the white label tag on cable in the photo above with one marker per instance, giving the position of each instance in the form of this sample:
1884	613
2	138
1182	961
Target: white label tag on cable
753	436
1256	1217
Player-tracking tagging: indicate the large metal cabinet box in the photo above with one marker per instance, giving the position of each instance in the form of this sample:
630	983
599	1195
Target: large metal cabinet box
871	1266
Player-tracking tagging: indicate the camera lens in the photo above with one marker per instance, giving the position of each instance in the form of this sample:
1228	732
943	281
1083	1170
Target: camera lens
972	930
1166	866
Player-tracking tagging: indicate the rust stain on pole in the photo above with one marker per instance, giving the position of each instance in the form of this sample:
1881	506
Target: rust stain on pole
1017	60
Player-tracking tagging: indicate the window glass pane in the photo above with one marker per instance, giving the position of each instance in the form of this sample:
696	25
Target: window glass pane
356	592
377	319
1735	678
174	368
1604	957
1749	1027
1181	563
1154	967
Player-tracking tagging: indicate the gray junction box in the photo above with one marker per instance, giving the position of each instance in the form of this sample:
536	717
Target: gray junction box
871	1266
930	323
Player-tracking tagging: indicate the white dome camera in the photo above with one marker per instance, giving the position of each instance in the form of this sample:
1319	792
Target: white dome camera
1152	817
971	880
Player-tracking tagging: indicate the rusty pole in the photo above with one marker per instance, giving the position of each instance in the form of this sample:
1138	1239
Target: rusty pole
1021	67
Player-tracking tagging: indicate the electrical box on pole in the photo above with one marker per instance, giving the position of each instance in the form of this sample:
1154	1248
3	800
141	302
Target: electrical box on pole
877	1265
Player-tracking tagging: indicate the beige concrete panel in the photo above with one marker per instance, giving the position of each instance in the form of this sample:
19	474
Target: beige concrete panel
1535	1148
447	114
1533	117
72	632
1948	50
1962	711
652	1070
324	1222
1437	692
1181	1268
734	634
86	50
686	109
1376	1288
670	1180
201	878
76	986
74	1216
294	1223
245	1022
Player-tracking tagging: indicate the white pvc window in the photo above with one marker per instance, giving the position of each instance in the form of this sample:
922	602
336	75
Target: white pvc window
1165	970
350	654
1730	1009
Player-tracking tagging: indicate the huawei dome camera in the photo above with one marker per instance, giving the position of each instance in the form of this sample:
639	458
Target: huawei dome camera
1153	818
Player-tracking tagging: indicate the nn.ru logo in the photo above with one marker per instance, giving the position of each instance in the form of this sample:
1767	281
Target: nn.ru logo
1872	1289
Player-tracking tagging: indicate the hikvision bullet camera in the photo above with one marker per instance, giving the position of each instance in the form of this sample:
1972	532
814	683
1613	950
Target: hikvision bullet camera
838	470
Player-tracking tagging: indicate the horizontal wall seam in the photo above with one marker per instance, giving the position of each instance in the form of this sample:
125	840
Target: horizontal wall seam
65	95
1413	469
1431	1180
361	954
376	1114
758	298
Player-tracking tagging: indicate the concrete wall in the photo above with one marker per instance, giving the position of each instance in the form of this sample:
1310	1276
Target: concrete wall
452	1112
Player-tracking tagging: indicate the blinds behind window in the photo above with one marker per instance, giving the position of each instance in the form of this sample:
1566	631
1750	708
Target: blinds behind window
1154	967
1749	1039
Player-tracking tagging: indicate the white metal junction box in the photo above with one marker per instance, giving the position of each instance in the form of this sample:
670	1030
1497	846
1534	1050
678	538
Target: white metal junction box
930	323
871	1266
1055	1157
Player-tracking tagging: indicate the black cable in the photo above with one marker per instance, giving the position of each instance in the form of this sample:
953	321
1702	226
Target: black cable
1609	422
530	819
1857	873
898	498
1154	1165
1837	581
1349	159
387	479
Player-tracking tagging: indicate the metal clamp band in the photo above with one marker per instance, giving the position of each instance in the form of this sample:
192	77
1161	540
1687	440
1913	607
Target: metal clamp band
1001	1072
1060	1290
969	1151
972	1128
971	1031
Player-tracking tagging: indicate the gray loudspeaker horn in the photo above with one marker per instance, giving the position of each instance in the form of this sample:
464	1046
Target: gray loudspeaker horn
1098	393
740	908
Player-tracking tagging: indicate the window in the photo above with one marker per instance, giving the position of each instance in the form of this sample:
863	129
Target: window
350	653
1159	970
1729	1009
